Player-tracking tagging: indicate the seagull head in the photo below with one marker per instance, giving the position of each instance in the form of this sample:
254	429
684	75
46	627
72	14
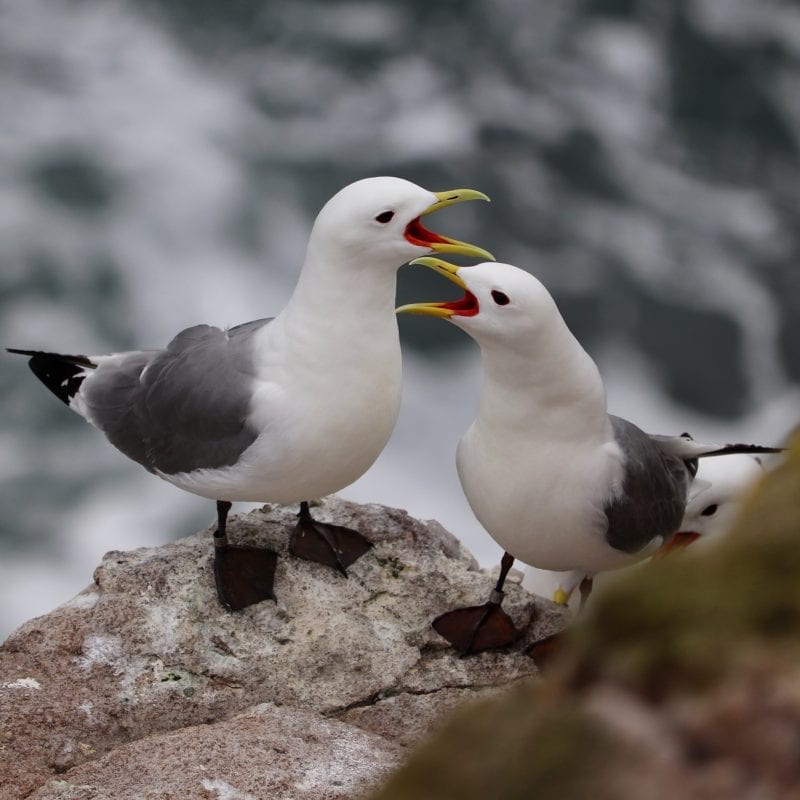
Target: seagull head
501	304
377	221
714	497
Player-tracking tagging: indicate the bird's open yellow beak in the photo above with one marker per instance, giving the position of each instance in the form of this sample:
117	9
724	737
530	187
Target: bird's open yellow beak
450	271
418	234
444	199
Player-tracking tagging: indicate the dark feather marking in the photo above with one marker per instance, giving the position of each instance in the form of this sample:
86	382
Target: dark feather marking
189	409
61	374
174	410
733	449
654	491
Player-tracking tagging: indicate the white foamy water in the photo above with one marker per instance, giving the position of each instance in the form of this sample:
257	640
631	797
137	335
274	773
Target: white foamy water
208	202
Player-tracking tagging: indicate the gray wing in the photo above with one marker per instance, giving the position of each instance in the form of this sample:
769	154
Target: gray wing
181	408
654	492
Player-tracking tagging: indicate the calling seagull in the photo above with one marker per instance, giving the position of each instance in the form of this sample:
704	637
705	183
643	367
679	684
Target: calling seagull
278	410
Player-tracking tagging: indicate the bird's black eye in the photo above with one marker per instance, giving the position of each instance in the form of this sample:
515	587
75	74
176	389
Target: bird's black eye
709	511
500	298
384	217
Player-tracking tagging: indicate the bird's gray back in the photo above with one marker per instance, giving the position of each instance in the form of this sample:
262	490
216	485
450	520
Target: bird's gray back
654	493
181	408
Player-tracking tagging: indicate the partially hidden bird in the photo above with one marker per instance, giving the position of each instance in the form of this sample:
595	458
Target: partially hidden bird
283	409
556	480
714	496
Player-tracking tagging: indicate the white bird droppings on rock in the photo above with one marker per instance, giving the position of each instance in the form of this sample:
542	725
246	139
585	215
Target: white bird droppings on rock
224	790
21	683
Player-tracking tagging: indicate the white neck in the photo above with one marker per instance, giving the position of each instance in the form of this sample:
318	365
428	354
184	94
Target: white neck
550	385
340	313
326	285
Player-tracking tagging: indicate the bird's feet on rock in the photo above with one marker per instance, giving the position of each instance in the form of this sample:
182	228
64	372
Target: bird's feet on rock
332	545
543	651
477	628
244	575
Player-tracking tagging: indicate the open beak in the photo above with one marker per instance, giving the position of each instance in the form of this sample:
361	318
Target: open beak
419	235
466	307
680	541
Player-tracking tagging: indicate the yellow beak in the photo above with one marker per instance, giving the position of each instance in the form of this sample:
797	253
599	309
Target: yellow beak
444	199
416	233
450	271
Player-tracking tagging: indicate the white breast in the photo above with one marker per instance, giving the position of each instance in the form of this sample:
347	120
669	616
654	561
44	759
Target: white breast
541	499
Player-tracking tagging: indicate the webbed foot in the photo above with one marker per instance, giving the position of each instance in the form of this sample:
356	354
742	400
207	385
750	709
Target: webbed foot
332	545
477	628
243	575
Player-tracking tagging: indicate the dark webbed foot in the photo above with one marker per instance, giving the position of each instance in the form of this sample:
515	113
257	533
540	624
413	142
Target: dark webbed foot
477	628
244	575
332	545
543	651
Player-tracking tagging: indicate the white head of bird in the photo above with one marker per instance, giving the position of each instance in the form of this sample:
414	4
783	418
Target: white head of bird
376	222
502	303
527	348
505	309
716	491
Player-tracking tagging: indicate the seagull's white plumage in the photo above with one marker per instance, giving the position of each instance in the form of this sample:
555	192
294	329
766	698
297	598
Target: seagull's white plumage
289	408
540	464
284	409
556	481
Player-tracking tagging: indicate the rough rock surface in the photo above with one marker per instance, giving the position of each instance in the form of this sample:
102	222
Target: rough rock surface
143	686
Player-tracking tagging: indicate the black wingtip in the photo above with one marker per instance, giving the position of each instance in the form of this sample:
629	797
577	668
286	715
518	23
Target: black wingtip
743	449
61	374
78	360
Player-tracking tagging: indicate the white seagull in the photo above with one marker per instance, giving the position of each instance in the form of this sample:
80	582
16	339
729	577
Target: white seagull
276	410
556	481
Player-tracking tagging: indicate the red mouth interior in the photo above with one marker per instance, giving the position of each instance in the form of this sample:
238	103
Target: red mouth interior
466	307
418	234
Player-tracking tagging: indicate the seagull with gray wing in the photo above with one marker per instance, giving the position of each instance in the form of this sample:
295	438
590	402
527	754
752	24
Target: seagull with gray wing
277	410
556	481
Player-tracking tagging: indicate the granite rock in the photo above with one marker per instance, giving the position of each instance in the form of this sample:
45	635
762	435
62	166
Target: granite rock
145	666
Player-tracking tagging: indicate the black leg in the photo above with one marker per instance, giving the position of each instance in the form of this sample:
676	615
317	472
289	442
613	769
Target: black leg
506	562
477	628
244	575
332	545
220	534
585	588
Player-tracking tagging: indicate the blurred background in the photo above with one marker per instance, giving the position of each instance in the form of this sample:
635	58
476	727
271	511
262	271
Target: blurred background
161	162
